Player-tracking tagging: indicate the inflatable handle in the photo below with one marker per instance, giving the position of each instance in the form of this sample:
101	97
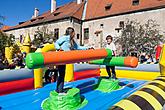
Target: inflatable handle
117	61
39	60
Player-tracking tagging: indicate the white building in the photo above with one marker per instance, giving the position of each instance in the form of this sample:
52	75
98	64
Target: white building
93	20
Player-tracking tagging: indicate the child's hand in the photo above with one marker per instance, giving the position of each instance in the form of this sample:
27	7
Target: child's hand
60	49
91	48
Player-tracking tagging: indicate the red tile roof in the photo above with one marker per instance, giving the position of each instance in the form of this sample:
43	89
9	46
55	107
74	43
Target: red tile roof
4	28
96	8
69	10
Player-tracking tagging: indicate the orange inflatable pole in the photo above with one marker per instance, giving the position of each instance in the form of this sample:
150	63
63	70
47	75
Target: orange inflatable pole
36	60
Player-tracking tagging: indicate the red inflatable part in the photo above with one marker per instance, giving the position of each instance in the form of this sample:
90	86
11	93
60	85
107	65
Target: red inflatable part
16	86
158	52
86	74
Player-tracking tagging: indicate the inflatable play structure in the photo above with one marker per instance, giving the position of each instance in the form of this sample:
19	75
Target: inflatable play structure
41	59
23	47
73	98
87	89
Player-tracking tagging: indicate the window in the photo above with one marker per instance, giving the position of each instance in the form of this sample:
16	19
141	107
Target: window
108	7
135	2
40	17
118	29
32	20
56	33
78	36
121	24
56	14
86	33
21	23
21	38
101	25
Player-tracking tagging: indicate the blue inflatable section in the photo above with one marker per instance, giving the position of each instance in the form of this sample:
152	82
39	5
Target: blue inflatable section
83	67
32	99
18	74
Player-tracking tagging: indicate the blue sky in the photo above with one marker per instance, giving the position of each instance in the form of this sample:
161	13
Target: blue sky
17	11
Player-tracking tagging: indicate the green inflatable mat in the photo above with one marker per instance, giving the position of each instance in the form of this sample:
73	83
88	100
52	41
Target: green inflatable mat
64	101
108	85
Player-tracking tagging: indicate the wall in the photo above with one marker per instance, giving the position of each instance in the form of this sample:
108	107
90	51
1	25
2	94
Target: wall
62	25
110	23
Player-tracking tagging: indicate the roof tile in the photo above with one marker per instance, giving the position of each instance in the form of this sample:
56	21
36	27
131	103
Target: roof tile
69	10
96	8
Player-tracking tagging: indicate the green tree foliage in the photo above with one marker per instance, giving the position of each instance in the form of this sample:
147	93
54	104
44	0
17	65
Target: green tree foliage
43	36
1	19
139	37
5	40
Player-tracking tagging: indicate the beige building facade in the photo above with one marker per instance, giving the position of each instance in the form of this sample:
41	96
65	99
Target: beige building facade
108	25
60	25
92	28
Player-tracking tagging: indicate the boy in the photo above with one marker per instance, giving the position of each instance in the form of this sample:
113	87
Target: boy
111	45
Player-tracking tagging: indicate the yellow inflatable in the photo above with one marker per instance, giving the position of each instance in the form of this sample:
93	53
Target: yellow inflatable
162	62
38	73
69	72
9	53
26	44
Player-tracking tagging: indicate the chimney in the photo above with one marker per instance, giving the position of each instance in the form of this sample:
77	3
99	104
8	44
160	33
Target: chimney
36	12
79	1
53	5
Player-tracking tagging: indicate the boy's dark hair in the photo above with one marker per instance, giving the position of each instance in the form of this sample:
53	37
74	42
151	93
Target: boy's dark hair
69	30
109	37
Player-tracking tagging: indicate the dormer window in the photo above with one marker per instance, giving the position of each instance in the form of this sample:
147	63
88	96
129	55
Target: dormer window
21	23
40	18
135	2
55	14
108	6
32	20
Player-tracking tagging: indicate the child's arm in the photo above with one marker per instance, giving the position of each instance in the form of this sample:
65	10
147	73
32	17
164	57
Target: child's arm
59	42
78	47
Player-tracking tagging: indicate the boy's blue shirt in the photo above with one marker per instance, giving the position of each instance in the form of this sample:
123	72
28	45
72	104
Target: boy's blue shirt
64	43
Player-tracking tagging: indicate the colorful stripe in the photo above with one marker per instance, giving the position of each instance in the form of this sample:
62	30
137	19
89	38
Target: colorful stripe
155	94
86	74
124	106
16	86
157	89
140	75
116	108
150	97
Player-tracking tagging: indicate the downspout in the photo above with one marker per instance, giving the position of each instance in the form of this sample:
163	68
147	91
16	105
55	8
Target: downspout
83	18
84	11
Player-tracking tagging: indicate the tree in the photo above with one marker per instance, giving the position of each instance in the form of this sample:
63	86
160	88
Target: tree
139	37
42	36
5	40
1	18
